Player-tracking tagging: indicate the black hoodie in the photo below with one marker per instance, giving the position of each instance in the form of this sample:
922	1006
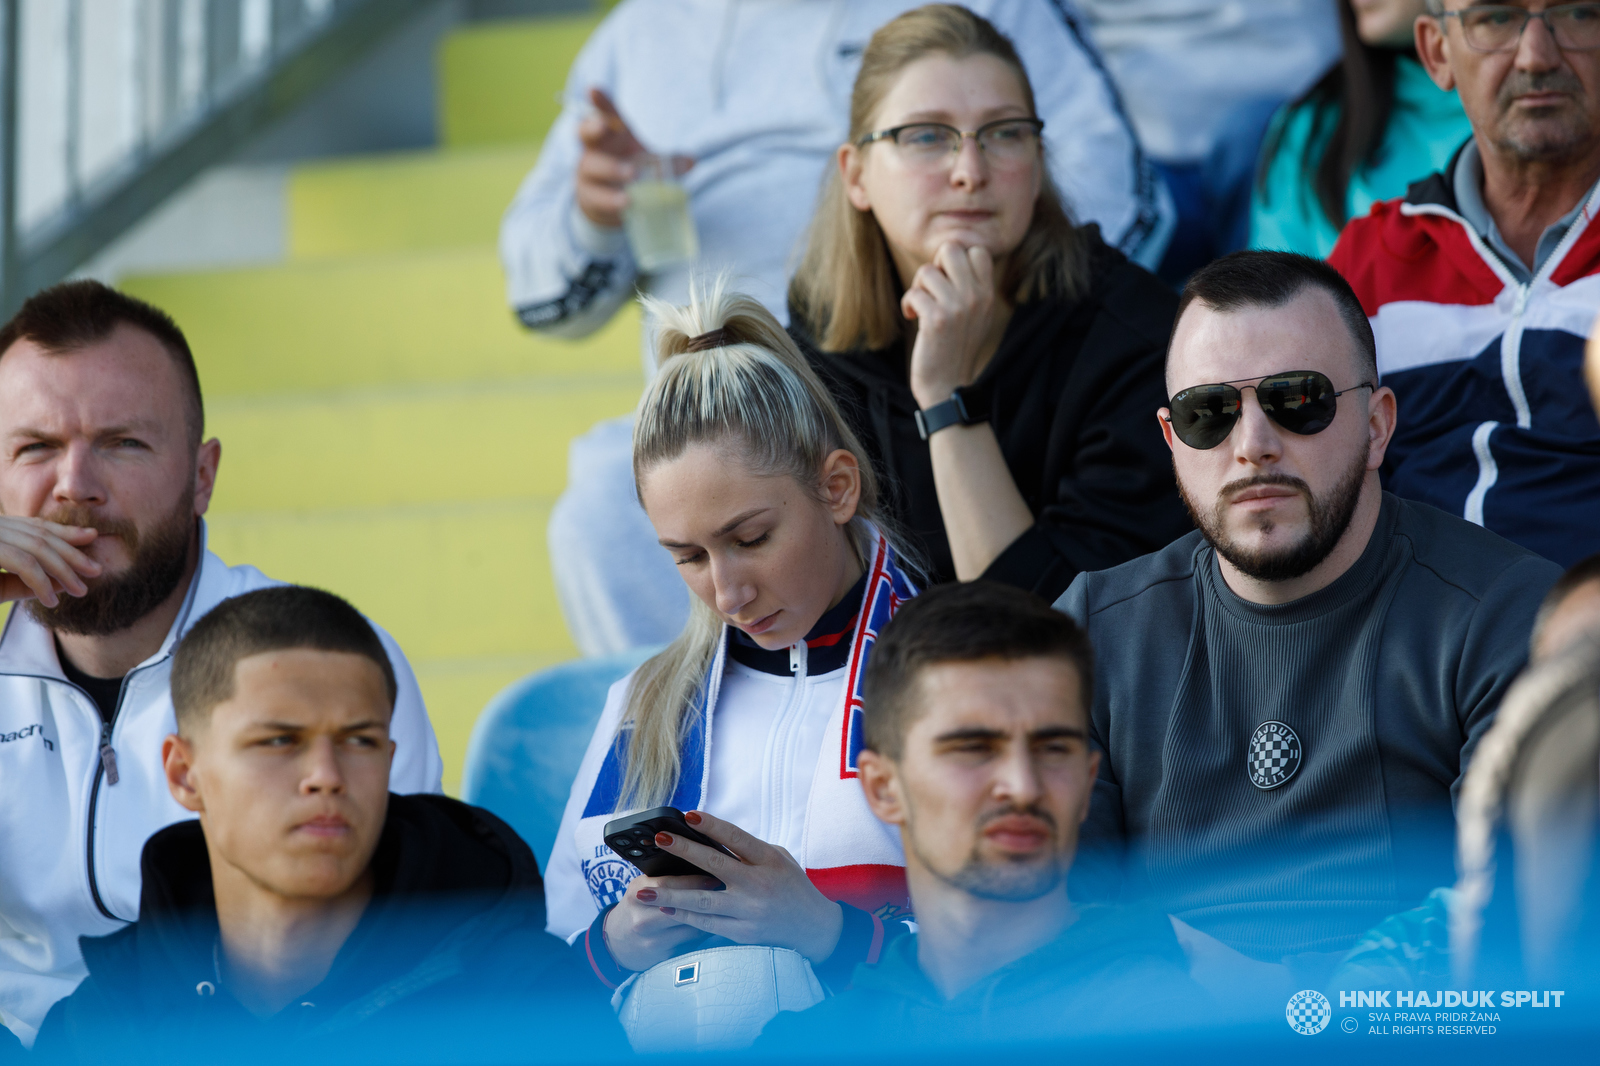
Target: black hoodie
449	961
1072	393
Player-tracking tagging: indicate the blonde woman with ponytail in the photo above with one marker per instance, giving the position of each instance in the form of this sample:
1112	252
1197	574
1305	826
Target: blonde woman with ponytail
750	721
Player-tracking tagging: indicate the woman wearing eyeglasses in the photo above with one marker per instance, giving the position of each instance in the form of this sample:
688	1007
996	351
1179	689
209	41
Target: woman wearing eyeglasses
1001	364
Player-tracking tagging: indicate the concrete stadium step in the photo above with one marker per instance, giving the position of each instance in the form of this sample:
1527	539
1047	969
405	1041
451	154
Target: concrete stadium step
403	202
501	82
386	445
422	317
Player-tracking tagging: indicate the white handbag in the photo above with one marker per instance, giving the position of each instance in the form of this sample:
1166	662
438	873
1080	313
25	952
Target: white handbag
715	998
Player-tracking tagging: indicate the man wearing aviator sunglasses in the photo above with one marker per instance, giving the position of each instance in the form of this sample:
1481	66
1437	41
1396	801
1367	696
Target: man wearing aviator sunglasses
1483	282
1292	692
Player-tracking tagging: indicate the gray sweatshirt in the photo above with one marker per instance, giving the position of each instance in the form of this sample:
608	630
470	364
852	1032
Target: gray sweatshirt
1283	777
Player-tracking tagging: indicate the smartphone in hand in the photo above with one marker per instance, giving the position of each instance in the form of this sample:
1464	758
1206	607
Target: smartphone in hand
634	838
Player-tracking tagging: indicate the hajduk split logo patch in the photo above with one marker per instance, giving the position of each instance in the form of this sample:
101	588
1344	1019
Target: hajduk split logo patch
1274	755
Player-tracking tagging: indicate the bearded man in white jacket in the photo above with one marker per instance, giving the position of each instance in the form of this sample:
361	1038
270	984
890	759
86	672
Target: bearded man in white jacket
755	94
104	479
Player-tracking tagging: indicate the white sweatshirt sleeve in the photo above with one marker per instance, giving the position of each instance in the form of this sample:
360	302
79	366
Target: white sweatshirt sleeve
417	766
568	903
565	275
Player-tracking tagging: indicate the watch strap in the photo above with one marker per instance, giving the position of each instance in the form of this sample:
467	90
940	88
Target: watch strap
953	412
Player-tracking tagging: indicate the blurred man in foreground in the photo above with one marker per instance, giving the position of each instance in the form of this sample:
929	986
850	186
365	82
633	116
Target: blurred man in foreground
977	747
309	909
1290	695
104	477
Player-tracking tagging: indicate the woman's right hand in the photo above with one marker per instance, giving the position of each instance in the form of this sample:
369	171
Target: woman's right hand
639	935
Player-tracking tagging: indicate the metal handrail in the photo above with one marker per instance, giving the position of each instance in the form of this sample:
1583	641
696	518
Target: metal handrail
206	76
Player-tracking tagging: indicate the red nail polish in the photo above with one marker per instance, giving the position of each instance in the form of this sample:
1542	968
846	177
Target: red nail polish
647	895
693	817
669	910
664	840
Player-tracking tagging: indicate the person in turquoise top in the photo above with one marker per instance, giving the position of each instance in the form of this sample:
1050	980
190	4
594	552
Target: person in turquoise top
1371	126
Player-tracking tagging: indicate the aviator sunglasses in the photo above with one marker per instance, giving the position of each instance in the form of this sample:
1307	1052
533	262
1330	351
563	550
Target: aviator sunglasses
1301	401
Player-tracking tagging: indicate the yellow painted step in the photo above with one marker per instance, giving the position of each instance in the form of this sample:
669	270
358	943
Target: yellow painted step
435	316
456	690
462	579
382	446
403	202
501	82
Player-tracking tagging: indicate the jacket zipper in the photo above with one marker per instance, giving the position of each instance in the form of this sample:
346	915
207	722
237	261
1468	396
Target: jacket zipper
106	771
777	777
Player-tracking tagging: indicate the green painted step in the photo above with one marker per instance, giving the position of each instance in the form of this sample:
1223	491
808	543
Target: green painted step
403	202
421	317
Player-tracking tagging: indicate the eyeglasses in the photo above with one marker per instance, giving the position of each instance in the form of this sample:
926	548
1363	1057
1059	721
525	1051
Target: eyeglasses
1301	401
1007	142
1498	27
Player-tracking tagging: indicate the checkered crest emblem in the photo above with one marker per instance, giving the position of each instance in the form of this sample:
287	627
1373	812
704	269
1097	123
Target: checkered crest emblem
1274	755
1308	1012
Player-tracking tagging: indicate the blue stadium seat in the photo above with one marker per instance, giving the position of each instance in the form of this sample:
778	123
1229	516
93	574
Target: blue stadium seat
529	740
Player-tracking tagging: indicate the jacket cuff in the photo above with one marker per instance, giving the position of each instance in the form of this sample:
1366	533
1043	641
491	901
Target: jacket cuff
592	946
1033	562
599	242
860	941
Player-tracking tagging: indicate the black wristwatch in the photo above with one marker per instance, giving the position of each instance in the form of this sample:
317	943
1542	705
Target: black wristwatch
953	412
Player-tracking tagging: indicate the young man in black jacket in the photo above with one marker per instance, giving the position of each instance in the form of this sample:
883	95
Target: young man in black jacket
977	748
309	911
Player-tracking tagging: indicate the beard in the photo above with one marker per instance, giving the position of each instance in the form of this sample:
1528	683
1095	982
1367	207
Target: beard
1008	880
116	601
1329	517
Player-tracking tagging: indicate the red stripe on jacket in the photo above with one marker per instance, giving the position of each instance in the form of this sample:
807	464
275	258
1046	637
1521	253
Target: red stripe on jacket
869	886
1390	255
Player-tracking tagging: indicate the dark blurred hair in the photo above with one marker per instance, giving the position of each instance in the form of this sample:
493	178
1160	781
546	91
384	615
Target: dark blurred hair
271	619
1272	279
1356	96
75	314
959	623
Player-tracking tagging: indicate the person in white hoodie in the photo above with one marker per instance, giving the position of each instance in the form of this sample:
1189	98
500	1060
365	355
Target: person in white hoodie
104	479
756	96
750	722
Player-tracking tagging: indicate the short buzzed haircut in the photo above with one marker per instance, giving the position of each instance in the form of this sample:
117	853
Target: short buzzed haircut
958	623
1272	279
71	316
267	620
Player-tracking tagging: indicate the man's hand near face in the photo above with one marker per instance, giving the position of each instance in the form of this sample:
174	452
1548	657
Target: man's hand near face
41	560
